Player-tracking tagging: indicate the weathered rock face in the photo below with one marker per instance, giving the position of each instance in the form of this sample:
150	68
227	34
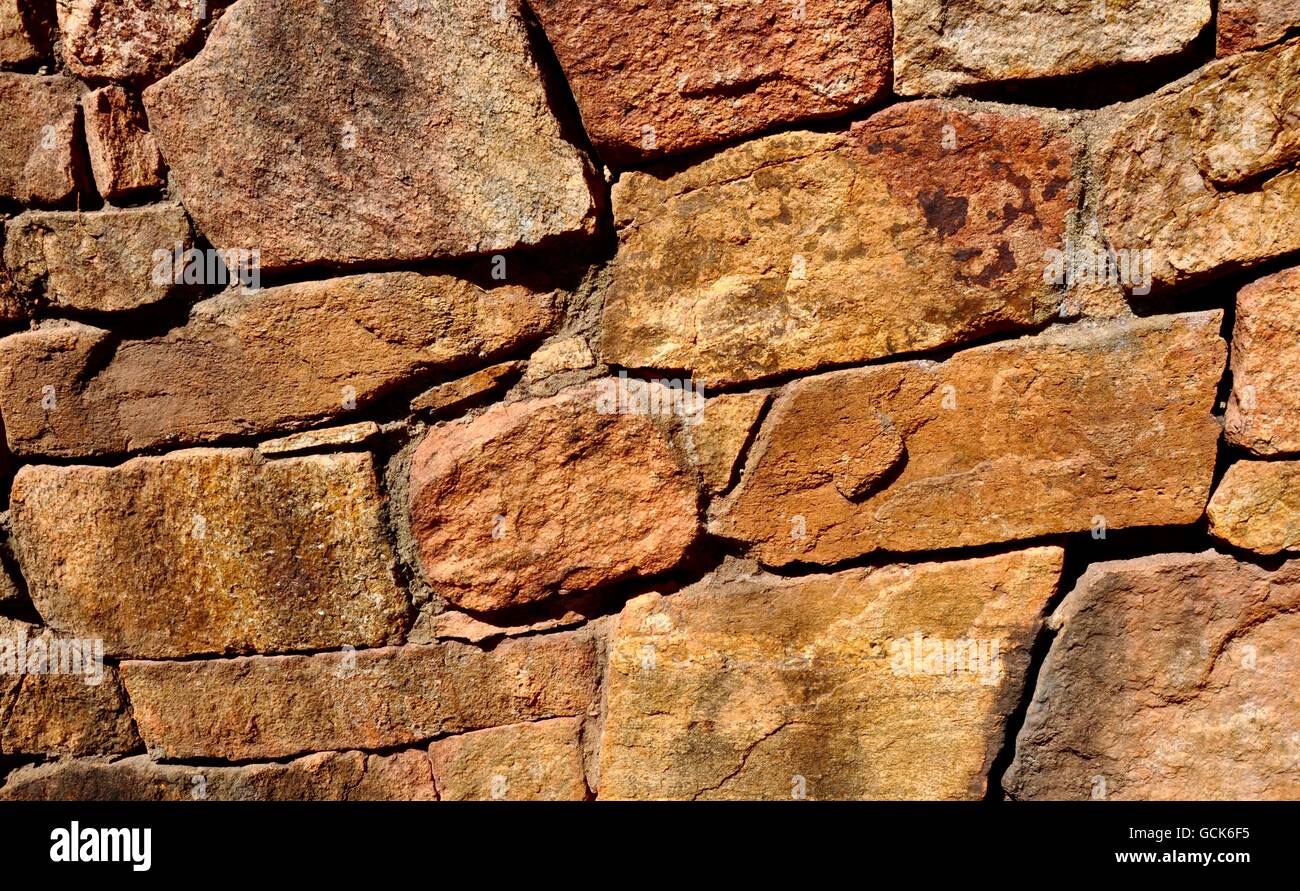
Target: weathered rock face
1171	677
1257	506
37	157
22	33
331	776
123	155
921	227
1203	175
726	423
210	551
1095	423
515	506
889	683
1247	24
940	45
321	440
539	761
1264	407
138	40
465	391
272	707
658	78
58	698
102	261
375	131
254	363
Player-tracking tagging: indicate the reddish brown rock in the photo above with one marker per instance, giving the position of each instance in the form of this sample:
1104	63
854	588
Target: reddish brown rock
272	707
923	226
1094	424
942	45
539	761
37	154
547	497
1171	677
102	261
24	33
210	551
1257	506
657	78
253	363
373	131
123	156
884	683
139	40
1247	24
1203	175
1264	406
58	698
464	392
326	776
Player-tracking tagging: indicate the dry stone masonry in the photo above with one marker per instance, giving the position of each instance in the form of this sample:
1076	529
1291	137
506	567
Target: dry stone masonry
576	400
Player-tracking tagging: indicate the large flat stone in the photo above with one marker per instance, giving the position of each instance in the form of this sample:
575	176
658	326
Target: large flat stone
657	78
1171	677
942	45
537	761
266	707
1203	175
1087	424
886	683
547	497
325	776
375	130
277	359
101	261
920	227
210	551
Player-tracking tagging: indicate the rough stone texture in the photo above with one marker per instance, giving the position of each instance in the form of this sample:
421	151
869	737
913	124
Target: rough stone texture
60	713
453	625
139	40
739	687
1257	506
463	392
245	364
1247	24
37	152
920	227
1171	677
210	551
541	761
101	261
319	440
1013	440
725	426
697	75
374	131
941	45
1264	407
547	497
331	776
1203	175
556	357
123	155
22	37
263	707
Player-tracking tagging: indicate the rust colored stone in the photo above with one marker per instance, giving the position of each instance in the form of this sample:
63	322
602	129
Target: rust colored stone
1097	423
923	226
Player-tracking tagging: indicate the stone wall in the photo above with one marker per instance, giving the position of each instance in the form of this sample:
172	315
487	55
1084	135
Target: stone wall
607	399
